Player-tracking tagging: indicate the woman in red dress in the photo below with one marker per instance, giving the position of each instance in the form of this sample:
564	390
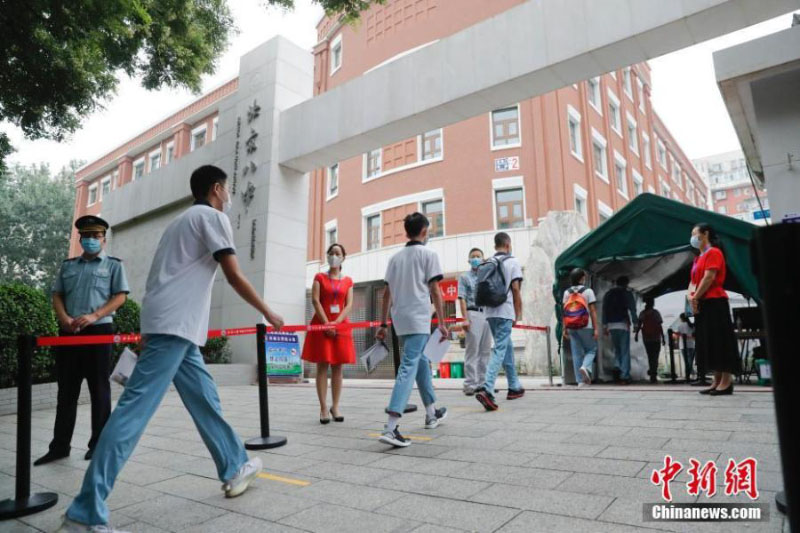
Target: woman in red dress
332	296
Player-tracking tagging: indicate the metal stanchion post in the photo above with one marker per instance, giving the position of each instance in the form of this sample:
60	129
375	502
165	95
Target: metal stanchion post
670	337
549	357
265	441
410	408
24	503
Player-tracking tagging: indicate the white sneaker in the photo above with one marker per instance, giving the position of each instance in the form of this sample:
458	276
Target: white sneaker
394	438
239	483
587	378
582	385
71	526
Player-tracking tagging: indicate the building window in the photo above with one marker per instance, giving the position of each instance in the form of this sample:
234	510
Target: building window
373	232
198	138
155	160
374	163
599	156
614	115
626	82
509	205
505	127
170	153
92	195
331	236
722	209
640	85
737	192
574	131
581	195
648	162
638	183
720	195
662	153
593	86
115	179
633	136
432	145
138	169
333	181
336	54
331	233
105	187
434	210
676	173
214	128
619	174
603	212
665	190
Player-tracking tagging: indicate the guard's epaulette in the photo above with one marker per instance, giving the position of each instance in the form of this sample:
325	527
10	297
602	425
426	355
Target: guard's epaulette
114	258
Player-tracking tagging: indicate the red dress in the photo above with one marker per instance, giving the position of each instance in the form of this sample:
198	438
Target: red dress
318	347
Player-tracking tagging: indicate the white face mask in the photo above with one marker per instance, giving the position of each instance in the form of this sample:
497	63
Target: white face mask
227	204
334	260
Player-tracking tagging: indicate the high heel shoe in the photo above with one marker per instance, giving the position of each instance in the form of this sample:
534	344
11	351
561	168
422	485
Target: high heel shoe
336	418
724	392
706	391
325	420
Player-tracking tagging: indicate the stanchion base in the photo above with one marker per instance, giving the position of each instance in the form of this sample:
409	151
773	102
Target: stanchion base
780	502
33	504
264	443
410	408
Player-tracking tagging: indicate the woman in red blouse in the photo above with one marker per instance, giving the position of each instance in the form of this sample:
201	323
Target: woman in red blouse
715	341
332	296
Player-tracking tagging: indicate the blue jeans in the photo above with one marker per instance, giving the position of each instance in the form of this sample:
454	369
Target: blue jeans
688	360
502	355
165	359
414	366
621	340
584	349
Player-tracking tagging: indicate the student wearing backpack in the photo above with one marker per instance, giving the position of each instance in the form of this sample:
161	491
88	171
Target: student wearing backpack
652	335
579	304
478	335
498	292
412	281
619	312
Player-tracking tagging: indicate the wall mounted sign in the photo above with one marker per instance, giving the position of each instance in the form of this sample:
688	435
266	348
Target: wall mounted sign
505	164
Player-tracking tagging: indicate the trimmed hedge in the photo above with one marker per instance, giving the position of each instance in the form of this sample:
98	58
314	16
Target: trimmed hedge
216	351
25	311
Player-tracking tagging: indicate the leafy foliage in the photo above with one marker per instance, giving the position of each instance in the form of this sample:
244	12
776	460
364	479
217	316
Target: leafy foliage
216	351
36	210
61	59
25	311
126	320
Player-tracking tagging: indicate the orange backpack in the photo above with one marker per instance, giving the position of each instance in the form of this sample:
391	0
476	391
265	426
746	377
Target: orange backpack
576	310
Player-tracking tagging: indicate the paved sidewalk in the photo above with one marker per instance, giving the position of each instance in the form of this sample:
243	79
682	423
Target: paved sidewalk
556	460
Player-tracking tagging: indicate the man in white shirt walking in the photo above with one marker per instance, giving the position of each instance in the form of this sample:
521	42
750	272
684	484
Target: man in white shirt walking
412	281
174	324
501	319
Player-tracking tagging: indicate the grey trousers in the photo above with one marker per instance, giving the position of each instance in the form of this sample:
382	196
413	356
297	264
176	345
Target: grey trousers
479	350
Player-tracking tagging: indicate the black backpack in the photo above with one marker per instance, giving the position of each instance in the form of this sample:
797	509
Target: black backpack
492	290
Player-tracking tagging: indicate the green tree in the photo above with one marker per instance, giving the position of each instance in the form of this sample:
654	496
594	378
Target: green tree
61	60
36	210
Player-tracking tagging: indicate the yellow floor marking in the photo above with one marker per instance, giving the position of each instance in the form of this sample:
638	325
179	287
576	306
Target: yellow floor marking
411	437
290	481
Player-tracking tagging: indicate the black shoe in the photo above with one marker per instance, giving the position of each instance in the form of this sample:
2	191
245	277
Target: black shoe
723	392
486	401
707	391
88	456
49	457
336	418
324	420
514	394
653	379
617	374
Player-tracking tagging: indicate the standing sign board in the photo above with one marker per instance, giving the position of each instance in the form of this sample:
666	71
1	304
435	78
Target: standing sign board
283	355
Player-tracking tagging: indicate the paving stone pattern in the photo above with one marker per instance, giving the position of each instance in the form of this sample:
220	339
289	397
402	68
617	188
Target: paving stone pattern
556	460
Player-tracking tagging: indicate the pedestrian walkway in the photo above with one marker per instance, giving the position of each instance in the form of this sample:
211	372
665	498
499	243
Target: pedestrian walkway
559	459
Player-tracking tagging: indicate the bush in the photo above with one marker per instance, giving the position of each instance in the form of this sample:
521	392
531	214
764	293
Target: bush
126	320
25	311
216	351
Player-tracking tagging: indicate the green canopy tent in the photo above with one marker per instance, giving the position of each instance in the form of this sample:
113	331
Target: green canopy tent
648	241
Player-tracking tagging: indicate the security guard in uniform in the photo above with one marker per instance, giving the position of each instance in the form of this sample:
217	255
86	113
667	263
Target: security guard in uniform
86	292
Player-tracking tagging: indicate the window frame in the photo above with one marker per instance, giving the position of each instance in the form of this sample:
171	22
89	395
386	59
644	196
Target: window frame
421	207
615	125
518	144
141	161
169	156
633	140
598	106
195	132
598	138
331	225
620	160
640	87
92	188
661	147
583	194
421	147
509	184
336	42
365	177
627	82
638	179
150	155
328	173
603	210
646	150
103	181
366	219
214	128
573	116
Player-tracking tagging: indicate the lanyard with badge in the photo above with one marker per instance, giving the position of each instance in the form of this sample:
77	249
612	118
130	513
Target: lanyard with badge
334	308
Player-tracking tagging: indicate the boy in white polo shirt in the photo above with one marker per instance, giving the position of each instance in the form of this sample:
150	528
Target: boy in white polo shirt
412	281
174	323
501	319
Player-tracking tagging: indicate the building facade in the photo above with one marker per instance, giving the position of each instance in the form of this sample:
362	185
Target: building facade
732	192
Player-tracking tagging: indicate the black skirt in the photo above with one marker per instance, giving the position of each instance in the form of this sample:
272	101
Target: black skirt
715	340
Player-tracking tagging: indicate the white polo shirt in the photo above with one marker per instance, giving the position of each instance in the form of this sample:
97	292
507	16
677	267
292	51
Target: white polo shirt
512	271
177	296
409	272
